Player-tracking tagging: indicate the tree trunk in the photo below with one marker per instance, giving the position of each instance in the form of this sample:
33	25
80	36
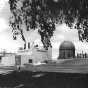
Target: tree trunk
27	45
23	38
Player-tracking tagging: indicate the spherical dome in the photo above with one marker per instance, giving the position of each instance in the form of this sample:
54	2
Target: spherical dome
67	45
66	50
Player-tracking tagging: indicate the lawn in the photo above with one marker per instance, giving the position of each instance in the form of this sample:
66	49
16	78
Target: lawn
26	79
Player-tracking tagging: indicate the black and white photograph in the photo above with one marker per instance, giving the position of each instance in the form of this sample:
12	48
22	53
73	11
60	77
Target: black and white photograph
43	43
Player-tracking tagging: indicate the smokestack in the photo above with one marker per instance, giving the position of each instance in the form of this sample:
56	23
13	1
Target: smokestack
28	45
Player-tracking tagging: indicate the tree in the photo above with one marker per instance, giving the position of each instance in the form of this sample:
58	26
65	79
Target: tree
72	12
44	14
32	14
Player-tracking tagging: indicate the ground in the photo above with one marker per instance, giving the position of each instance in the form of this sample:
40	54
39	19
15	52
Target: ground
25	79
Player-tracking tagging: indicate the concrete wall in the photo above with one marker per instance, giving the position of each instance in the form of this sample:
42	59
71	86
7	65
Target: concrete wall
40	55
36	56
49	53
24	59
8	60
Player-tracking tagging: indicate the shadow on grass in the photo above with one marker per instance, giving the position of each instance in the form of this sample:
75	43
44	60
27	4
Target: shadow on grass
25	79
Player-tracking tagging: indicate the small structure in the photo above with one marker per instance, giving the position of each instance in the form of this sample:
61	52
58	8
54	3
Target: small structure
40	55
8	60
22	57
33	56
25	56
66	50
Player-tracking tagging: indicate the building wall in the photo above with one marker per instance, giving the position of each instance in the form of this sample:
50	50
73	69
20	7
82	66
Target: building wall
39	56
49	53
18	60
35	57
8	60
66	53
24	59
21	58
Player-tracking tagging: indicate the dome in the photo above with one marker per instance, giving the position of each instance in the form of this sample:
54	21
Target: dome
66	50
67	45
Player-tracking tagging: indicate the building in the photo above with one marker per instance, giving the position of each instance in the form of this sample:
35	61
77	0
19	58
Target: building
40	55
33	56
66	50
8	59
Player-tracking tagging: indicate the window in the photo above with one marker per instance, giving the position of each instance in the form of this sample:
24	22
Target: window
30	60
0	57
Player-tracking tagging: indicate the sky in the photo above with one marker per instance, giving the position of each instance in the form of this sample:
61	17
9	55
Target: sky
62	33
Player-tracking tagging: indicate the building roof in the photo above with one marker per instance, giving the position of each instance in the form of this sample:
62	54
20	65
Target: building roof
67	45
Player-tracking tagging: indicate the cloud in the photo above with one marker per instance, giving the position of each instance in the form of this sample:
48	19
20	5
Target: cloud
2	3
6	42
63	32
3	25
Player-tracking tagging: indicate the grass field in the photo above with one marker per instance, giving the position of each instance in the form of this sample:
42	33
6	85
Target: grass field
26	79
